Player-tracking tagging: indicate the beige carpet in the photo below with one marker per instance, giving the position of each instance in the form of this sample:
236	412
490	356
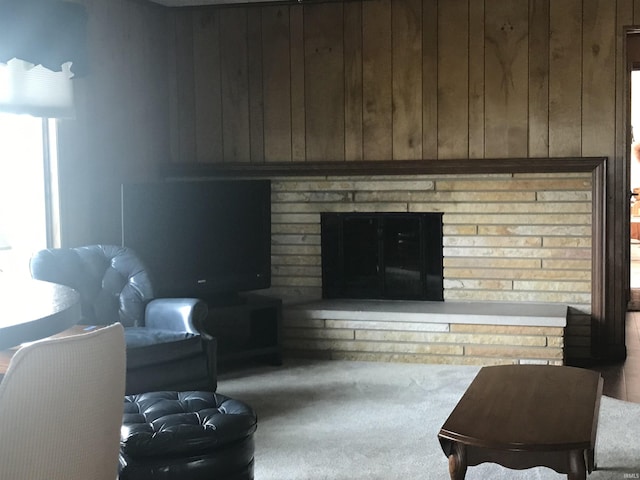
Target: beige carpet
355	420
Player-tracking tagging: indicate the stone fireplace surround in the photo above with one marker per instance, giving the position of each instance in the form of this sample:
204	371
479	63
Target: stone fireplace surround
520	235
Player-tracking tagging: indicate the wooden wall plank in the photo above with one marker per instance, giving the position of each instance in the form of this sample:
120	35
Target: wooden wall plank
476	79
235	84
185	93
538	78
429	78
565	78
636	13
407	79
298	122
453	79
209	134
506	78
353	146
324	82
152	146
172	83
256	111
376	76
276	75
598	76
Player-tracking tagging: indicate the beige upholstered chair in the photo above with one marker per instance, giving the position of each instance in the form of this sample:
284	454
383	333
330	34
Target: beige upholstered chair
61	404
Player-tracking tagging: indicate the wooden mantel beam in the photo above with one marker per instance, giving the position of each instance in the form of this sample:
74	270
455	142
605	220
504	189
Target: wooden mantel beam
395	167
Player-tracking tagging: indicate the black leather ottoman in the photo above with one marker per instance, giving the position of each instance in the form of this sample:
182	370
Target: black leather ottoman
186	435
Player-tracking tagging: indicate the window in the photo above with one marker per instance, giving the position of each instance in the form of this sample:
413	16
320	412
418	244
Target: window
28	191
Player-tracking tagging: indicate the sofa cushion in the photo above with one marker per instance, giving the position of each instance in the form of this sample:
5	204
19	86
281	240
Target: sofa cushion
136	337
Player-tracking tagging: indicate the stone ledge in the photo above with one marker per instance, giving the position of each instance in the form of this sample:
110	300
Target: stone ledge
478	313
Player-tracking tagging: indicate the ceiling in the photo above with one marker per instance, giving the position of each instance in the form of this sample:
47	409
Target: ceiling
187	3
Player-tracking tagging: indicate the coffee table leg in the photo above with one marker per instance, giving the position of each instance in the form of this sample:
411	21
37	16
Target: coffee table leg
458	462
577	465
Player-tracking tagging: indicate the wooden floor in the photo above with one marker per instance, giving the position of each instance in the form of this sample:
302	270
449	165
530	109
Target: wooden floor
622	381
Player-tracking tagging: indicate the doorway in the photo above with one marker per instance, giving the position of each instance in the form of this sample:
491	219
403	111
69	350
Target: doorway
633	170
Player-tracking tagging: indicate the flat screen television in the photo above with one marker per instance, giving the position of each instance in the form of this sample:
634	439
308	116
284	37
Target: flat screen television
209	239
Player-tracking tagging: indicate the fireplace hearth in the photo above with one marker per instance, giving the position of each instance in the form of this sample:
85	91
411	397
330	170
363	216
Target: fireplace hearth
395	256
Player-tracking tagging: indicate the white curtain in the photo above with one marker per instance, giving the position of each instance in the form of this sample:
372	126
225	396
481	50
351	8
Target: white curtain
35	90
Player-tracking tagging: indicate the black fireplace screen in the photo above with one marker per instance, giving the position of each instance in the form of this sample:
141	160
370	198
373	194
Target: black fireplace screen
382	255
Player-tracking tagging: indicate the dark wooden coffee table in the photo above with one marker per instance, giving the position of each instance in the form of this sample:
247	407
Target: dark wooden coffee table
524	416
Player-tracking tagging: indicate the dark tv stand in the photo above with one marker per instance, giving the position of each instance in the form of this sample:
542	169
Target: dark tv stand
246	329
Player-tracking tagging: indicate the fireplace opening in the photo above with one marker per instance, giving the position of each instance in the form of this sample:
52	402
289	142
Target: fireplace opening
394	256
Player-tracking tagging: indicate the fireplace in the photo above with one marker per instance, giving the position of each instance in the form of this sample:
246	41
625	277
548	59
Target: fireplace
394	256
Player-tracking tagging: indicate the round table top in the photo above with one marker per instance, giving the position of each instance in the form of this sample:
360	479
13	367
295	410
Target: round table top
33	309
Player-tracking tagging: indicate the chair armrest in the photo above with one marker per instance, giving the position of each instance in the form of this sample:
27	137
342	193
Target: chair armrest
178	314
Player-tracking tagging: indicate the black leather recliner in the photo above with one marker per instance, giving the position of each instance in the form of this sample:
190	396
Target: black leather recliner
167	346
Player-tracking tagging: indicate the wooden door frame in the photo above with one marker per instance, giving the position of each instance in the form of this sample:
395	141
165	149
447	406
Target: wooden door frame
632	63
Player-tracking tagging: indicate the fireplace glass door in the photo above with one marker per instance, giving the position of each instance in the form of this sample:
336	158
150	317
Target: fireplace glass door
382	255
361	256
402	257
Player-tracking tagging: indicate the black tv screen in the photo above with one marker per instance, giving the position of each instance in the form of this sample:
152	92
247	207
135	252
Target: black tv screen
201	238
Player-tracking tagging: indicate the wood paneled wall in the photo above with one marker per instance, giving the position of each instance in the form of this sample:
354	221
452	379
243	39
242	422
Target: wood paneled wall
396	80
120	130
340	82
